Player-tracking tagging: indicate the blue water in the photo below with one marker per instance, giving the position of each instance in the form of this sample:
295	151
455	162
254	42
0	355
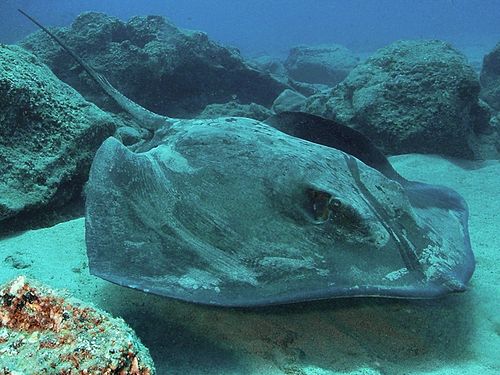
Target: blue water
273	26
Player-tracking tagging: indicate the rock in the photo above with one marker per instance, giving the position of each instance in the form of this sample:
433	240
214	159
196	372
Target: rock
490	78
495	121
288	100
165	69
48	136
412	96
235	109
308	89
271	65
489	142
325	64
44	332
276	68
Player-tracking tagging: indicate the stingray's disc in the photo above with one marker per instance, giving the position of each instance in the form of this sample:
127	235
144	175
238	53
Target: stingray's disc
233	212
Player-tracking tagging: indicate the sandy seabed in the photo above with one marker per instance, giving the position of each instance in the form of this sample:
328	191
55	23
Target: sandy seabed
458	334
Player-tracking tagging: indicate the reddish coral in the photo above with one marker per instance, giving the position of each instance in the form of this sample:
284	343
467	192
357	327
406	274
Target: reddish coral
73	335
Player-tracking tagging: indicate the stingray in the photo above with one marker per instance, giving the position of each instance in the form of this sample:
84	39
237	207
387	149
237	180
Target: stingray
236	212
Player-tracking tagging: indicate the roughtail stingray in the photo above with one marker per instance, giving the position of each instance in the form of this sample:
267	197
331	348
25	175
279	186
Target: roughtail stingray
237	212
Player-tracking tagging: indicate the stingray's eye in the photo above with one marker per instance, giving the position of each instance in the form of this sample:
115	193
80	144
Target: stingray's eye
334	204
319	205
324	207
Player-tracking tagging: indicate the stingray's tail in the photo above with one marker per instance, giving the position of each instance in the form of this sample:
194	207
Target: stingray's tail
143	117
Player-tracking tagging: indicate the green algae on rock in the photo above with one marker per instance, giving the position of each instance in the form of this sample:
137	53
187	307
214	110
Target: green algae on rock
44	332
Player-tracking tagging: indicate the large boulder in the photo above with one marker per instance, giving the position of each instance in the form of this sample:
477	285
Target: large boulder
325	64
412	96
165	69
42	331
48	137
490	78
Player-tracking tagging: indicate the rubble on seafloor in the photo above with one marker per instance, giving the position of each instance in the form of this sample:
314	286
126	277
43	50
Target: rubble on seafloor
43	332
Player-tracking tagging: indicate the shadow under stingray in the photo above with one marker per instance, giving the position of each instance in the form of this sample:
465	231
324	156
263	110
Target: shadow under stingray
338	334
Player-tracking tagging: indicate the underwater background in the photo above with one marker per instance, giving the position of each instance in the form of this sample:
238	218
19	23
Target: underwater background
420	79
272	27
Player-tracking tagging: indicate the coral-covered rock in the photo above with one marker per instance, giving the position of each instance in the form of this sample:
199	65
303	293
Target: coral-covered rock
326	64
490	78
43	332
48	136
412	96
165	69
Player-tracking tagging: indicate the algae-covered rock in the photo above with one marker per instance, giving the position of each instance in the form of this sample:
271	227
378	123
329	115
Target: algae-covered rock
235	109
48	136
45	332
490	78
326	64
412	96
165	69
